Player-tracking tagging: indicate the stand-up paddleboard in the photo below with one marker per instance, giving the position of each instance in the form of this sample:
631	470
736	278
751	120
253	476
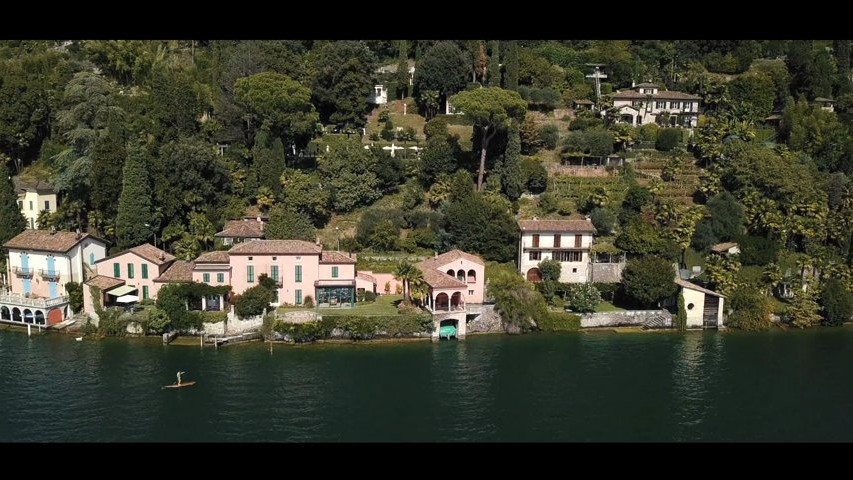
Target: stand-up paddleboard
182	384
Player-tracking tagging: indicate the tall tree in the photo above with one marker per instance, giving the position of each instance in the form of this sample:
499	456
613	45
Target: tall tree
841	51
134	204
287	224
443	69
402	77
342	79
491	109
350	173
267	162
511	66
108	156
494	71
11	218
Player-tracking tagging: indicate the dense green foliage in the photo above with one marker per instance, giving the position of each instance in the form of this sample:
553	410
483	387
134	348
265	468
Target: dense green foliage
680	319
649	280
837	303
288	224
751	310
10	214
75	296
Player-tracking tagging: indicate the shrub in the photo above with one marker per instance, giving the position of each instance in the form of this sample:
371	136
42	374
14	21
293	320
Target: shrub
837	303
681	316
407	135
75	296
157	321
548	202
308	302
603	220
253	301
110	323
756	250
583	297
384	115
648	132
649	279
550	135
751	310
668	138
550	269
560	322
607	290
534	174
388	133
369	296
213	317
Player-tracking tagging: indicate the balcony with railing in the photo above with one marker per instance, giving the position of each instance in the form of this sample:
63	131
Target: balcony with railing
23	272
14	299
49	275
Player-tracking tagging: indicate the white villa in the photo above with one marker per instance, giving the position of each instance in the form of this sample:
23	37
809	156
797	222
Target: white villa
645	103
33	197
567	241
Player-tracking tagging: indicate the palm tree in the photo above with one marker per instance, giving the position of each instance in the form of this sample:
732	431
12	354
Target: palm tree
406	272
418	288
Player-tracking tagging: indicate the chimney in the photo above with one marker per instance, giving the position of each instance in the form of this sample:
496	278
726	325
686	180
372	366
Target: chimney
162	255
317	240
434	254
78	234
633	84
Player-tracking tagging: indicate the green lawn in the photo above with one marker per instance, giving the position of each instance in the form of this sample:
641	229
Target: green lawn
608	307
384	305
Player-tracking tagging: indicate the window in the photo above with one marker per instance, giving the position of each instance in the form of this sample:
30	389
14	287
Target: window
31	204
47	205
674	105
274	258
116	270
129	270
637	103
206	278
557	241
145	292
144	270
688	106
250	273
298	296
649	90
21	204
690	306
535	241
470	292
660	105
220	278
578	241
535	255
334	272
568	256
298	274
274	273
32	225
92	258
250	259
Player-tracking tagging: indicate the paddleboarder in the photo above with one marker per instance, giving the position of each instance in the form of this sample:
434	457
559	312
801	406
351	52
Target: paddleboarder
179	377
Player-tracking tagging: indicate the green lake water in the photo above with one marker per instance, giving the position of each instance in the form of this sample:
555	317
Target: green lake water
733	386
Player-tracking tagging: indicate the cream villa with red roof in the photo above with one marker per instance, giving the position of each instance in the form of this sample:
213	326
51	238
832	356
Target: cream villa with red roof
39	265
645	104
567	241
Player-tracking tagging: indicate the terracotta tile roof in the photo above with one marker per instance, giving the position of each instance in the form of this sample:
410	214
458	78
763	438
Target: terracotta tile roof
436	279
334	256
272	247
450	256
645	85
44	241
693	286
723	247
584	102
556	226
242	229
661	95
146	251
179	272
365	277
103	282
213	257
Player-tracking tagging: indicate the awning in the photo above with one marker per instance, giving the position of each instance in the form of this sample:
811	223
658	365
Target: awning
123	290
127	299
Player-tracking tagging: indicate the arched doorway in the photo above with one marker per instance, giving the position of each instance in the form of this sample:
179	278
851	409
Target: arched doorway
534	276
442	302
456	300
5	314
460	275
39	317
16	315
472	276
28	316
447	329
54	316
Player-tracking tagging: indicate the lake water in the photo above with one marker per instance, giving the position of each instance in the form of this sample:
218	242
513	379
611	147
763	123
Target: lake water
732	386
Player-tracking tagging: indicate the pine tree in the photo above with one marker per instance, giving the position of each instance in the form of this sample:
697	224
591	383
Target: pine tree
134	205
511	67
12	221
494	71
403	69
512	181
268	161
108	156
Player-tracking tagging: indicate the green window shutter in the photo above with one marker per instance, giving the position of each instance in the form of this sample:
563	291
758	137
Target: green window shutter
250	274
116	270
129	270
334	272
274	272
206	277
144	292
144	270
299	274
299	297
220	277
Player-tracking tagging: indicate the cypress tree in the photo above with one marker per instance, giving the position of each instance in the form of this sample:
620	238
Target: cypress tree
12	221
403	69
512	179
134	204
268	161
511	67
494	72
108	156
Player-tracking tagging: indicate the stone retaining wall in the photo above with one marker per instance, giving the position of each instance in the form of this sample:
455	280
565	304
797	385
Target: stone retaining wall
624	318
488	321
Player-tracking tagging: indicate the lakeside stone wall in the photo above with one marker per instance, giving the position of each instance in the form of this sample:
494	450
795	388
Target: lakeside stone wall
626	318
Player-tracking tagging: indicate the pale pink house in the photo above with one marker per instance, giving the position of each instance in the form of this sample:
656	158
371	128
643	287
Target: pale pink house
300	269
381	279
212	268
455	279
138	267
237	231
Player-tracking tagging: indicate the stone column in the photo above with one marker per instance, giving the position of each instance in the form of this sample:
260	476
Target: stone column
221	302
204	303
461	327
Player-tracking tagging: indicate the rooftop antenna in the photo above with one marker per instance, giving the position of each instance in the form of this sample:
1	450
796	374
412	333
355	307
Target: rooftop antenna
597	76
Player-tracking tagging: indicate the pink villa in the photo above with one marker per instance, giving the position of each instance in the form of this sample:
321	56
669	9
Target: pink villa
455	279
128	276
40	263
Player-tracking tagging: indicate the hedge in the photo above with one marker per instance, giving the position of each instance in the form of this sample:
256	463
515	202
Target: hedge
358	327
560	322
